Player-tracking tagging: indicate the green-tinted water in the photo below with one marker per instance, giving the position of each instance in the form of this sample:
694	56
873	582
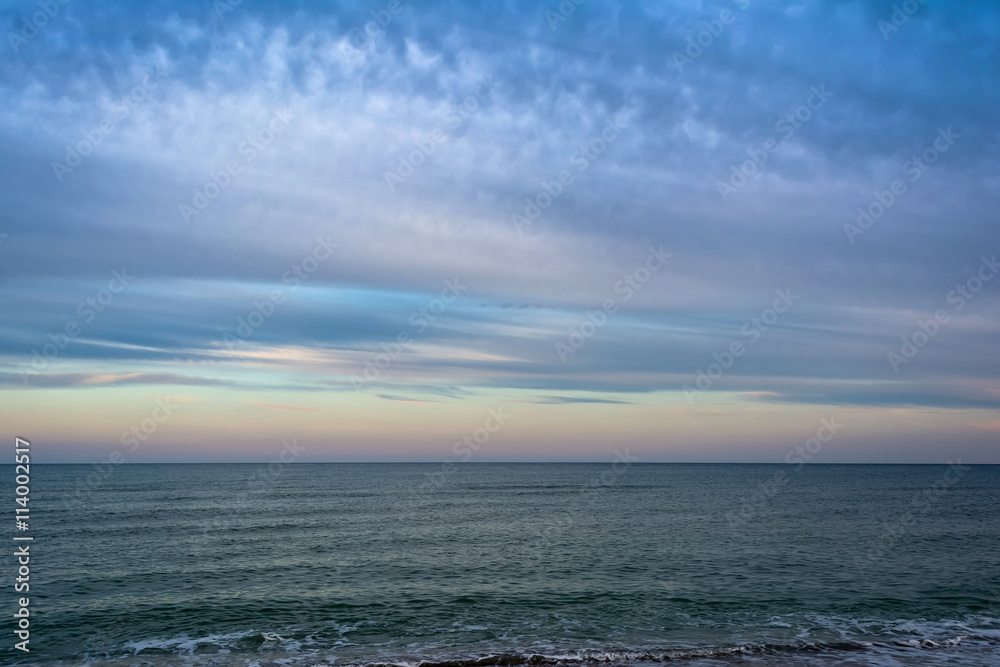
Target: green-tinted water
356	563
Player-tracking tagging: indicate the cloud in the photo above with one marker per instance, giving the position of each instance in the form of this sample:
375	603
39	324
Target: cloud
284	407
400	399
563	400
358	114
990	427
98	379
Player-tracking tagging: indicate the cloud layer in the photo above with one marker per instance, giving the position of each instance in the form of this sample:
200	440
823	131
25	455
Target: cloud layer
424	212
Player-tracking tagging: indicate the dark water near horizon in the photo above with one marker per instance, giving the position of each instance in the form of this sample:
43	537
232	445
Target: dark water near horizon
522	563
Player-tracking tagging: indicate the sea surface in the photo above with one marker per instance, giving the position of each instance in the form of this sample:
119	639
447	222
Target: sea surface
509	564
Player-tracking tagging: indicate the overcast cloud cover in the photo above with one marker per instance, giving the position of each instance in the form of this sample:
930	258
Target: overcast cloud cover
203	84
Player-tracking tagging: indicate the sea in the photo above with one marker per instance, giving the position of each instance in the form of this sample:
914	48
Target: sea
461	564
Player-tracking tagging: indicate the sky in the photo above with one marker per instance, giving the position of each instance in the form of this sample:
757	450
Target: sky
453	231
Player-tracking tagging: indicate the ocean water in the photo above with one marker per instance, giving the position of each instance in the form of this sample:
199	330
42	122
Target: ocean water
507	564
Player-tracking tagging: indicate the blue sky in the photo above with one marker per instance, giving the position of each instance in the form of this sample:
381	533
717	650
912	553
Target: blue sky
270	158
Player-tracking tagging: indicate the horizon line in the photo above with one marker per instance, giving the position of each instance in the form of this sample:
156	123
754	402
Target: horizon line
465	463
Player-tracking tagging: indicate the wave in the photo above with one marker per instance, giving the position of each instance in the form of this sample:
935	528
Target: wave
588	657
253	647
